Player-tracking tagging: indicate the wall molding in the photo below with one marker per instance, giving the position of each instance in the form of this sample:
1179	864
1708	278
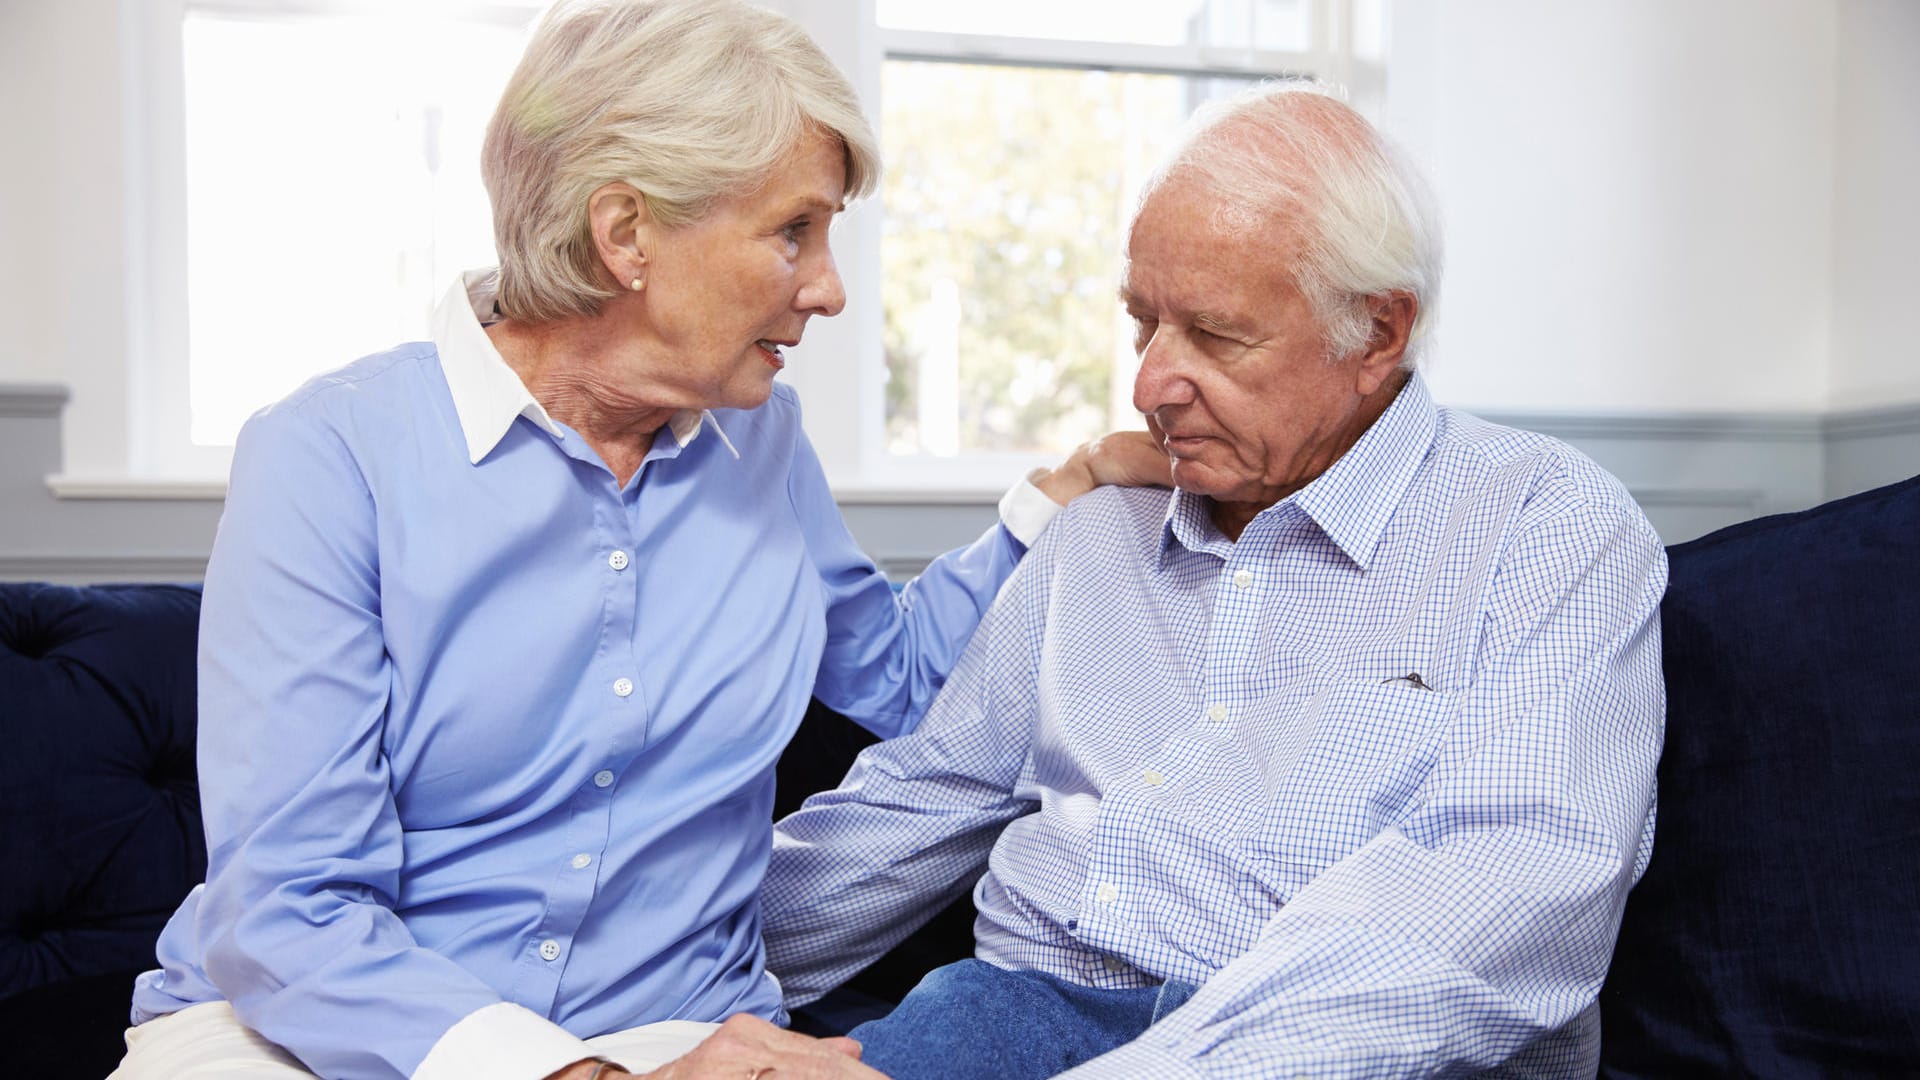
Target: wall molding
1873	422
1691	472
1730	498
32	401
1792	427
99	569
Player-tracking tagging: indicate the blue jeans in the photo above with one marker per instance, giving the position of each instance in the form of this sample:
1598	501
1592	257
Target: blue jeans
972	1019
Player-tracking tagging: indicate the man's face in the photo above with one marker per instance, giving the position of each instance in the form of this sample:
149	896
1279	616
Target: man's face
1233	366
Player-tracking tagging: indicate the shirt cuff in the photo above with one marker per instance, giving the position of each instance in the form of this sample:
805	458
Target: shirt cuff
1136	1059
1026	511
505	1041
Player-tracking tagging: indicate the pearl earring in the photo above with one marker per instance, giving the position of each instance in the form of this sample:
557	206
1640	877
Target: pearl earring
635	285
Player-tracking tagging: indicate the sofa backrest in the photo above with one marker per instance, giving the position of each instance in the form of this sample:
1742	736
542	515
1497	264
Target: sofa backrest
1776	933
100	831
1777	930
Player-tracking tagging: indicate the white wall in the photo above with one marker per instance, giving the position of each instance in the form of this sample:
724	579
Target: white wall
1876	218
1637	197
64	249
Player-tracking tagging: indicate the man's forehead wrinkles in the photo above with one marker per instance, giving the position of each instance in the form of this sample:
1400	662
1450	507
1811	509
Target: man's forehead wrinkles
1202	296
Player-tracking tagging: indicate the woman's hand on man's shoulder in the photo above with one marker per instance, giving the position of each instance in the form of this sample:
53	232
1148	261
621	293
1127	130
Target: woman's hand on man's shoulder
1125	458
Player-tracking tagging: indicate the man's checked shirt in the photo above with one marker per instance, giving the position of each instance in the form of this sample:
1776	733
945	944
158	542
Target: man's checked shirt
1378	776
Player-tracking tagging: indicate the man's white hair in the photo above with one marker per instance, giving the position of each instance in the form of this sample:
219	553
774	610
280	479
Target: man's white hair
689	101
1292	153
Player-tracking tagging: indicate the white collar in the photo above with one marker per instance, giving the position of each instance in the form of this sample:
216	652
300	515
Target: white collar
488	396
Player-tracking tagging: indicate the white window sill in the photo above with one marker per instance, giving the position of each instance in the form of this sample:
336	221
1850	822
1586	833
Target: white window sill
158	489
879	494
150	488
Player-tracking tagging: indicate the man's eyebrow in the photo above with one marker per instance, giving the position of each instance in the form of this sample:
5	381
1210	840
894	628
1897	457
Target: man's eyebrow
1207	320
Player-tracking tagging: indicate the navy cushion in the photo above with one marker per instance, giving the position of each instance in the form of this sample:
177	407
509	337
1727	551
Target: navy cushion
101	835
69	1030
1777	930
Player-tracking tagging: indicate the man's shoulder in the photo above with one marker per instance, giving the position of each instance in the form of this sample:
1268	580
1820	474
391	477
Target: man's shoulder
1114	513
1549	476
1106	530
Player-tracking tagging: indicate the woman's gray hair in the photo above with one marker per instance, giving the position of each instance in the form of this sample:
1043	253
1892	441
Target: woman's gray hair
1292	152
689	101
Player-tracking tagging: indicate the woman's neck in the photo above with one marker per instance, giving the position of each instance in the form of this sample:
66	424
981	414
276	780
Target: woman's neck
588	381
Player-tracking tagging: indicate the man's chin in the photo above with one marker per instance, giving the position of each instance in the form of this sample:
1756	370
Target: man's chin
1195	478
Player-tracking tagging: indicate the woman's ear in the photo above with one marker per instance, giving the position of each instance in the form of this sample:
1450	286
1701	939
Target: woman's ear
622	230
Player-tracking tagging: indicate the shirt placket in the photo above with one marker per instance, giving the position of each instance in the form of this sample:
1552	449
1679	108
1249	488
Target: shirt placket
581	846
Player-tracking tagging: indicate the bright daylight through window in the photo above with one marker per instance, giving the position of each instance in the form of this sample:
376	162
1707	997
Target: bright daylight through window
1008	190
1016	136
352	144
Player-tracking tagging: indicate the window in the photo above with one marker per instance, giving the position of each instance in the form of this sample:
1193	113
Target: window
322	156
314	186
337	151
1017	137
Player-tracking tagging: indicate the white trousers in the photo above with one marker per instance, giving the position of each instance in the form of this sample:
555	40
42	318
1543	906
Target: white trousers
207	1040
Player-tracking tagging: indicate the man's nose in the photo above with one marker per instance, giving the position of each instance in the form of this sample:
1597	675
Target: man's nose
1161	380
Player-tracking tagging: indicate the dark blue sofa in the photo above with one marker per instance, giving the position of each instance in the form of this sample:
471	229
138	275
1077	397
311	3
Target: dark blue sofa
1776	934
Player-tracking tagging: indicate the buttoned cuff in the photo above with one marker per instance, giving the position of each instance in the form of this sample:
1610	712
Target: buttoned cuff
1026	511
502	1042
1133	1060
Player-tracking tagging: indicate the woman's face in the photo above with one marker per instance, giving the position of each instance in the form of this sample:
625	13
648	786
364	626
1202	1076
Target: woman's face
728	294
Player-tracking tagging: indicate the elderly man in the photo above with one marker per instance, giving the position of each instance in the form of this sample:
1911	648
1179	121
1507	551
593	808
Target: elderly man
1338	761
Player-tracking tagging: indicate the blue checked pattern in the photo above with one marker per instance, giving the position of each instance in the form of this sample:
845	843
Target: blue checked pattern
1378	776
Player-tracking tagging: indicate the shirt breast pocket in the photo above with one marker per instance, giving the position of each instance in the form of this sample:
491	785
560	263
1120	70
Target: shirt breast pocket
1362	750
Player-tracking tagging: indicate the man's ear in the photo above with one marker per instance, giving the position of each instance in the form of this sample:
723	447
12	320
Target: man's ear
1390	318
622	232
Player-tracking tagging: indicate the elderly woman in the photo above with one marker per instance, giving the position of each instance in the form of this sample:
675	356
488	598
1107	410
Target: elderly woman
503	632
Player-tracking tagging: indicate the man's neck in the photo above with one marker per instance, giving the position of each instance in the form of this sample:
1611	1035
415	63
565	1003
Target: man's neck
1233	518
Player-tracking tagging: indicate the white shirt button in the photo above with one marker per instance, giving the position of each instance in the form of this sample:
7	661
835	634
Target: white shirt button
1217	713
1152	779
1106	893
622	687
582	861
1242	579
549	950
617	560
1114	964
603	778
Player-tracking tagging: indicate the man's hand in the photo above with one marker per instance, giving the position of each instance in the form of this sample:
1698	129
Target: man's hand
747	1046
1128	458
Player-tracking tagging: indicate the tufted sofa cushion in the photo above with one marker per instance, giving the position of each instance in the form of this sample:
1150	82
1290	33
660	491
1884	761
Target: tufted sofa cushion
1777	931
101	814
